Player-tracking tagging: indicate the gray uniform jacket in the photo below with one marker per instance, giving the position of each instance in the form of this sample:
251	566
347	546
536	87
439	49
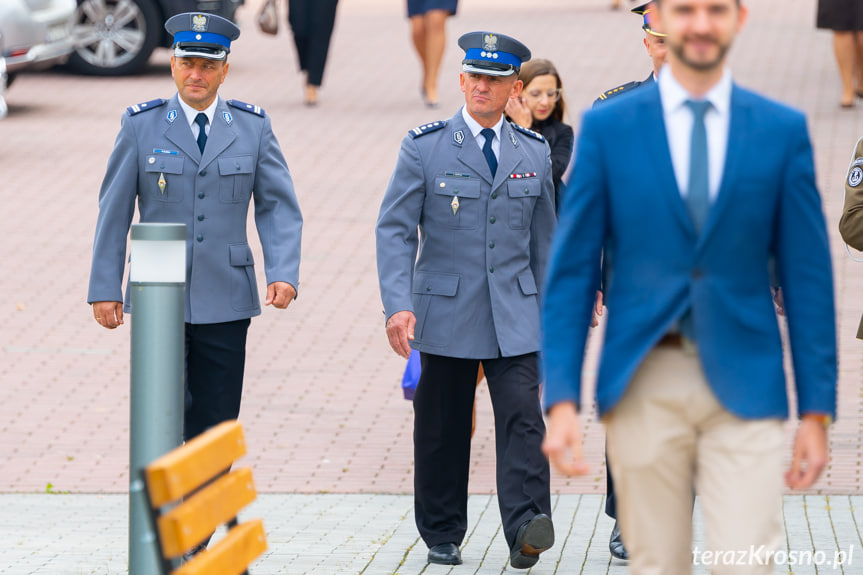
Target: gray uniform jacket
211	195
472	273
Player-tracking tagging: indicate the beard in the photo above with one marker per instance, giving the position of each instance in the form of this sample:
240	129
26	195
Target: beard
700	65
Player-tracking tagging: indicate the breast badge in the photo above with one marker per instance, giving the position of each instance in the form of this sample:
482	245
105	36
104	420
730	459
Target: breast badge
454	205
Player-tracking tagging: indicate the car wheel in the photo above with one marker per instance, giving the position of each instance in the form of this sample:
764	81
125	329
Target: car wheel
114	37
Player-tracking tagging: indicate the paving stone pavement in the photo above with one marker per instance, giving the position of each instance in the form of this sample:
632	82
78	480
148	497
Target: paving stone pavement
326	425
374	534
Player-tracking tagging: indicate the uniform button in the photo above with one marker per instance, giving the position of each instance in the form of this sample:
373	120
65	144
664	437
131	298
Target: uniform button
201	195
526	191
696	274
200	237
237	166
200	217
491	245
203	173
161	166
492	220
494	195
491	269
428	288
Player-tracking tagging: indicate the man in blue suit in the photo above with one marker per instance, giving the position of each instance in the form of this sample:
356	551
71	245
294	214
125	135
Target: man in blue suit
687	188
462	240
199	160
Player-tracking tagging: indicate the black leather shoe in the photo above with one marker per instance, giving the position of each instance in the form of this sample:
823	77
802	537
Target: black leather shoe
533	537
615	544
445	554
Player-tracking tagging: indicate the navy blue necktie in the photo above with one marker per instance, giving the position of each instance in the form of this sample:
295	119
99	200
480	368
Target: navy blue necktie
201	120
698	191
487	151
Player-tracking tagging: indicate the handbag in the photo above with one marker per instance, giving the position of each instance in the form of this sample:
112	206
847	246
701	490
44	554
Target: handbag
268	18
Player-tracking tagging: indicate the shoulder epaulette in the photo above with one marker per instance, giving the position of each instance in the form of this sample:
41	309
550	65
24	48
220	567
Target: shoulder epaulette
251	108
619	90
426	129
531	133
152	104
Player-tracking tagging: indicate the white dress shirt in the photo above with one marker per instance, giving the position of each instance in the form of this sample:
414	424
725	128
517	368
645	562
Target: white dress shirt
678	125
475	129
191	113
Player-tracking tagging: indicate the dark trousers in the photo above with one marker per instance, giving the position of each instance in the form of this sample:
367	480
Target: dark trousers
312	25
443	409
215	360
610	500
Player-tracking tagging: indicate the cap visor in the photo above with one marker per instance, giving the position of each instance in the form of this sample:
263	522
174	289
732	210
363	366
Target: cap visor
208	53
471	69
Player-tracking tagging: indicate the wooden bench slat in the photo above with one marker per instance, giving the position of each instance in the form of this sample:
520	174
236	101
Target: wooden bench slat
232	555
186	468
189	523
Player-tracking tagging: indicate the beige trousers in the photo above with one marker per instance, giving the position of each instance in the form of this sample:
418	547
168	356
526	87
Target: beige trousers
669	435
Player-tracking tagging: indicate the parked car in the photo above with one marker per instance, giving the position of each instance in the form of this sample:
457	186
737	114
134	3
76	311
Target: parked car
36	34
117	37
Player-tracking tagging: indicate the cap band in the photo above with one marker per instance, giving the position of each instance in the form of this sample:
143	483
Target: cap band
493	57
201	37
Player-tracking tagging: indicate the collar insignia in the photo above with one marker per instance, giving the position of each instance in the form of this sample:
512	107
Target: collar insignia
172	115
458	137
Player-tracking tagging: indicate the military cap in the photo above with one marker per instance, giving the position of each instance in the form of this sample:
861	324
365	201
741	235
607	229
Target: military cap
644	9
492	54
201	35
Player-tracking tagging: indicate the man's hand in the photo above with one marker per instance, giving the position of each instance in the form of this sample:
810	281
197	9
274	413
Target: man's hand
280	294
563	440
809	457
597	310
108	314
400	331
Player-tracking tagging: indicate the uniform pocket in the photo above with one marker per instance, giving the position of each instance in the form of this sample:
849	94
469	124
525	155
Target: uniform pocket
244	290
455	202
236	176
434	304
523	194
527	283
164	177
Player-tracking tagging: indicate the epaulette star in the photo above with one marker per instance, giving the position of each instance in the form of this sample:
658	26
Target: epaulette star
531	133
151	105
426	129
251	108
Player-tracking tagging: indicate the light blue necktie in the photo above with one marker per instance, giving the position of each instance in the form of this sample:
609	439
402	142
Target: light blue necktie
487	151
201	120
698	192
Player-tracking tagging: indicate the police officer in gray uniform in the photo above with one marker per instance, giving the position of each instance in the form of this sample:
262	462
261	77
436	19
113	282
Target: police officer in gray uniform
465	290
198	160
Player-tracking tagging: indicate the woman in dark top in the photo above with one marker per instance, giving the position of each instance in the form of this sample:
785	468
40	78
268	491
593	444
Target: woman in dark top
541	107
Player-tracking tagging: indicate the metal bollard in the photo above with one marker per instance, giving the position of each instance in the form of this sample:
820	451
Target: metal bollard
157	279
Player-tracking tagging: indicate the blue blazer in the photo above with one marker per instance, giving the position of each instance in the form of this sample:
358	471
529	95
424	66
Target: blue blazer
623	199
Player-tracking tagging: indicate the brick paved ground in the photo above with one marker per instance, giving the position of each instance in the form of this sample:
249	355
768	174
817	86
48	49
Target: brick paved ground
374	534
322	408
